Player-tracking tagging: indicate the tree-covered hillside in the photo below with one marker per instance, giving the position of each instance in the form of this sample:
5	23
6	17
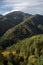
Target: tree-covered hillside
28	44
28	51
10	20
21	39
29	27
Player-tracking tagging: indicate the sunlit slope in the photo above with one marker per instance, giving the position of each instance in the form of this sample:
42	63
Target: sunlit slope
28	44
30	50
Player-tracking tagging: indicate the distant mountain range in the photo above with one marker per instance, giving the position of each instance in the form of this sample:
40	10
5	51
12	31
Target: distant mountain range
17	26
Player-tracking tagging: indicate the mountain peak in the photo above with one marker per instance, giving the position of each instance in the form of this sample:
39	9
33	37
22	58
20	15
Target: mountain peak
17	13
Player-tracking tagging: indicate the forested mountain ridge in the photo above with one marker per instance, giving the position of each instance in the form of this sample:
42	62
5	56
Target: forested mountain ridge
10	20
32	25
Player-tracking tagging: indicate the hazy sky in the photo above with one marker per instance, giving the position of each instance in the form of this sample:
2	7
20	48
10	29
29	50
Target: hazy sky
28	6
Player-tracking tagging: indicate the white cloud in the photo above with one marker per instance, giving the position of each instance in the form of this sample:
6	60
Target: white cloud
23	5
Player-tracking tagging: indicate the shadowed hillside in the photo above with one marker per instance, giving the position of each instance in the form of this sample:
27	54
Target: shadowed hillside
10	20
29	27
